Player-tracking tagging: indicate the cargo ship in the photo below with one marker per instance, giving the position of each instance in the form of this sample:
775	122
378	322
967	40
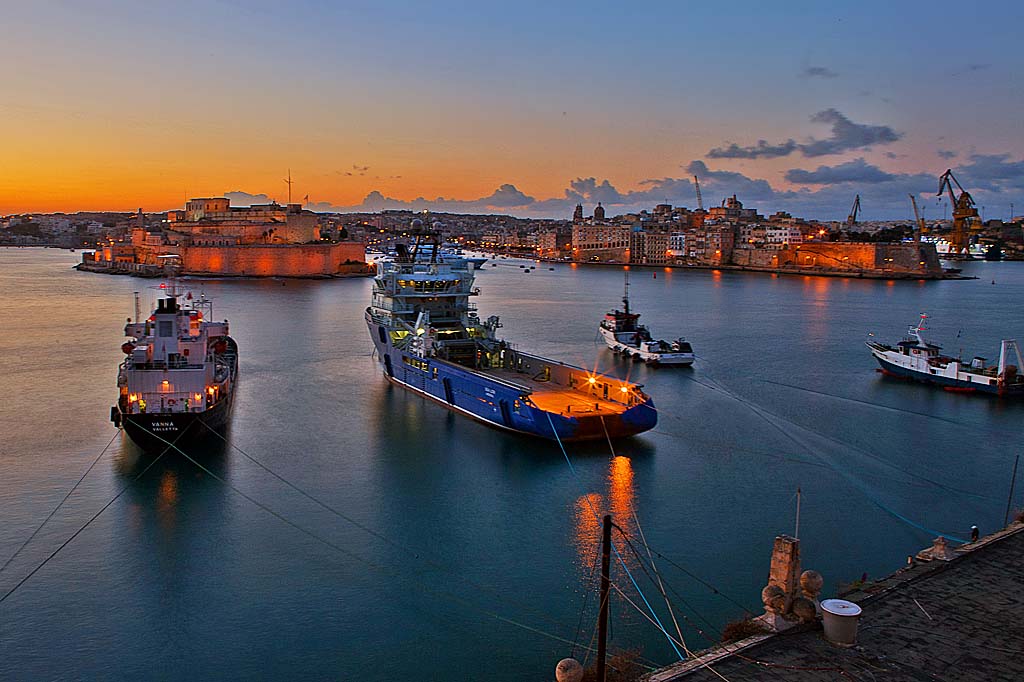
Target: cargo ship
623	333
430	340
918	359
177	382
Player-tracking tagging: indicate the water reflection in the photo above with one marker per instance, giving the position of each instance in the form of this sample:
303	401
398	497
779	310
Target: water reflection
617	500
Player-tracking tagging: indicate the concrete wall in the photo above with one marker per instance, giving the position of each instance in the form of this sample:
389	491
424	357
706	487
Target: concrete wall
292	260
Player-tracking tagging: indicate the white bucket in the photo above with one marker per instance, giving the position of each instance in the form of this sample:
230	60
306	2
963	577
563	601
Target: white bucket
839	619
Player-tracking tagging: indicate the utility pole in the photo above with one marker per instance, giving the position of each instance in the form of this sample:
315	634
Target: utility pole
289	182
602	620
1009	499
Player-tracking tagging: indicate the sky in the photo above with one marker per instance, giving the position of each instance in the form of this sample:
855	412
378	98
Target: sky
523	108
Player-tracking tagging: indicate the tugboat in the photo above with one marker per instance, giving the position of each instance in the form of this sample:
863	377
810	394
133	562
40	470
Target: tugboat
623	333
917	359
430	340
179	376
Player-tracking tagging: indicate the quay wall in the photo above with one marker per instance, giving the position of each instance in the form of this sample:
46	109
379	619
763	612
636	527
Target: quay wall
275	260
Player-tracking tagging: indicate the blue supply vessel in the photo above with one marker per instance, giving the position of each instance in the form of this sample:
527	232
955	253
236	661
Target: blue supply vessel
430	340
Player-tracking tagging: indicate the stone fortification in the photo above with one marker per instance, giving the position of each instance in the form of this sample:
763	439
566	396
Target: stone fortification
841	256
284	260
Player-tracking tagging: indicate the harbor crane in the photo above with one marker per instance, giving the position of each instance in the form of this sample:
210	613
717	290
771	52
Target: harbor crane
921	228
965	214
851	219
700	200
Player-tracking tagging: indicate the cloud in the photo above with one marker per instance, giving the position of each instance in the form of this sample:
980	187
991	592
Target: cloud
507	196
240	198
857	170
846	136
726	183
818	72
590	189
993	172
946	154
761	150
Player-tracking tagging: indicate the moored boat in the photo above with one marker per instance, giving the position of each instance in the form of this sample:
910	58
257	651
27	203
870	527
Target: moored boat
623	333
430	340
918	359
177	382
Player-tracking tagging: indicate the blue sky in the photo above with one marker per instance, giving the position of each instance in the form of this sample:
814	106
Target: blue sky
111	104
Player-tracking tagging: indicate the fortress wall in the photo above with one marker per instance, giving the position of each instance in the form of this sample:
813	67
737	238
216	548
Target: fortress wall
844	256
286	260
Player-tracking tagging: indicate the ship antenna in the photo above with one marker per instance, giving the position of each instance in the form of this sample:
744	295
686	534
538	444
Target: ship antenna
625	293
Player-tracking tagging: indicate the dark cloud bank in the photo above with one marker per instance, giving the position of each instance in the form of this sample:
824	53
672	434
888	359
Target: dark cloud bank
846	136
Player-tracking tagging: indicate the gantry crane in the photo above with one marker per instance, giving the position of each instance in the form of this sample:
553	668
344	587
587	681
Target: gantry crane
920	227
965	215
851	219
700	200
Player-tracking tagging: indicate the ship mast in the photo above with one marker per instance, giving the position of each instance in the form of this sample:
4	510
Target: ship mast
625	293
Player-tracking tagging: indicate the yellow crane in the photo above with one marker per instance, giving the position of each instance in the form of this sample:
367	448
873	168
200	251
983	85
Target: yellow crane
921	228
965	215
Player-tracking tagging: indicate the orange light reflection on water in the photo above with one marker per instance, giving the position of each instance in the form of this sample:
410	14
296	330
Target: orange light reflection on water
591	508
167	498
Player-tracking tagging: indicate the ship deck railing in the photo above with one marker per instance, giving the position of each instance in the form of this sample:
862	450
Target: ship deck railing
131	364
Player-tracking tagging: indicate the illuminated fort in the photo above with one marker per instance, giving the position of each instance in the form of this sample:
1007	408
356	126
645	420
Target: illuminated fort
211	237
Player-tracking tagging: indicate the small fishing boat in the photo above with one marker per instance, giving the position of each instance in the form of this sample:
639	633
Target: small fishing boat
920	360
623	333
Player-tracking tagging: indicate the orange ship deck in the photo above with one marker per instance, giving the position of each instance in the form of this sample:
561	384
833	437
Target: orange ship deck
558	399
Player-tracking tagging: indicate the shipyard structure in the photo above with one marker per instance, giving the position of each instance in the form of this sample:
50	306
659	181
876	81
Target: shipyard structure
212	238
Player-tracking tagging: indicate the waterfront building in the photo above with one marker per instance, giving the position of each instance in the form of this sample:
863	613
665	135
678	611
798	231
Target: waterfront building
777	235
732	210
553	244
601	242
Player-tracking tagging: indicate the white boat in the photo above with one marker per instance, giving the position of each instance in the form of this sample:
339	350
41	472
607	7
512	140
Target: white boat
917	359
623	333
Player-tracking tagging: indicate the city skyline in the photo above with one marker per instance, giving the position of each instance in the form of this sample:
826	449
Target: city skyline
524	110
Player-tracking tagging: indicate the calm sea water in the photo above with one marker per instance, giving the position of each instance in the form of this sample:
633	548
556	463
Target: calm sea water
461	528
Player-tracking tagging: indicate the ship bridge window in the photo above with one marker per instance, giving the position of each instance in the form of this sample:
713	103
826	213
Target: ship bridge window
165	328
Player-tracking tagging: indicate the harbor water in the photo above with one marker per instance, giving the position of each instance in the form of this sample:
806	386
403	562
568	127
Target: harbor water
348	529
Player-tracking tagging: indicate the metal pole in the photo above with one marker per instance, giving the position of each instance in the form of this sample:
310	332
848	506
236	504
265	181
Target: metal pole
602	621
796	533
1009	499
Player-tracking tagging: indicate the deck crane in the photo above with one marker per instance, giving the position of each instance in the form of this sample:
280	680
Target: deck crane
965	214
921	228
700	200
851	219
